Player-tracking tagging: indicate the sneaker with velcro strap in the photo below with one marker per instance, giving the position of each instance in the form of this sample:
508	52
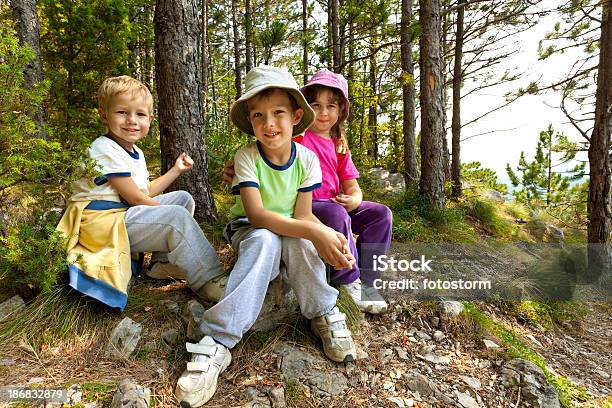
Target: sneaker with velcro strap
337	340
198	382
166	270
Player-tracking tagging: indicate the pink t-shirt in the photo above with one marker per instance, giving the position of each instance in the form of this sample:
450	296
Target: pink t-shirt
335	168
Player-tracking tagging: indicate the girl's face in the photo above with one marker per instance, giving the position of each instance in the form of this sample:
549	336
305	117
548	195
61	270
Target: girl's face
327	110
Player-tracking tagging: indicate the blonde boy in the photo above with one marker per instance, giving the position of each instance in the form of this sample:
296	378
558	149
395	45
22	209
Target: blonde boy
273	228
162	224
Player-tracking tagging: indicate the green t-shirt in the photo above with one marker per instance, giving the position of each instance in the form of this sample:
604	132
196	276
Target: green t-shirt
278	185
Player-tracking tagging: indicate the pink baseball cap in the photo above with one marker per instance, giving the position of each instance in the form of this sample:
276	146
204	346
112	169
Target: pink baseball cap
331	79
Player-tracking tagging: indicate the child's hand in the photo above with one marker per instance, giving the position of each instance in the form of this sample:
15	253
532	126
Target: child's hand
333	247
228	172
347	201
183	163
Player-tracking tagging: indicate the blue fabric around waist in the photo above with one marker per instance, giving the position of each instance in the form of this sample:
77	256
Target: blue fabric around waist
105	205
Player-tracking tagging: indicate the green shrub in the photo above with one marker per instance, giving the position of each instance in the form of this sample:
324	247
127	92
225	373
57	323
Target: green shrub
486	215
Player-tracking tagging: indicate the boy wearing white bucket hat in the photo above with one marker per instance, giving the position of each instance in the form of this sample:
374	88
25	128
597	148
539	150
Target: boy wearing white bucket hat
273	229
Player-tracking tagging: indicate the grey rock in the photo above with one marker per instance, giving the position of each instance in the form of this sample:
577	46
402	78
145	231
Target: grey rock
8	361
170	336
171	305
131	395
401	353
473	382
422	335
124	339
435	321
436	359
74	394
417	382
257	399
362	354
280	306
397	401
534	386
387	181
10	306
277	397
466	400
192	315
555	232
385	355
495	196
490	344
93	404
326	383
438	336
449	309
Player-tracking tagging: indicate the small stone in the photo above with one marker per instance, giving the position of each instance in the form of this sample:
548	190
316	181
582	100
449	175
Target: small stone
193	313
36	380
6	362
422	335
412	340
124	339
362	354
449	309
409	402
603	374
466	400
385	354
436	359
171	306
397	401
277	397
471	381
534	340
438	336
401	353
490	344
170	337
130	394
388	385
435	321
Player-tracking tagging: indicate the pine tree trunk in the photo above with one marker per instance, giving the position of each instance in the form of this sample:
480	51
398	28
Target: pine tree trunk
179	89
456	121
444	46
305	40
26	18
248	35
236	32
432	130
204	66
599	184
408	94
335	34
373	109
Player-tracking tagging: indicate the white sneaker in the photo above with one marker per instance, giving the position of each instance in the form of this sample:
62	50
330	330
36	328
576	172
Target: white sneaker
338	343
366	298
166	270
198	382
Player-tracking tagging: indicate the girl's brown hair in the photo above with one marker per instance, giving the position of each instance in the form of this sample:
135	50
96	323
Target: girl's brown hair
337	131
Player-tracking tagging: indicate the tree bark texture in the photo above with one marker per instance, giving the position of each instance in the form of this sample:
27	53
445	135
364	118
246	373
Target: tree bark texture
411	171
333	21
204	48
599	184
236	32
179	89
373	108
305	40
456	120
432	129
248	35
443	67
26	18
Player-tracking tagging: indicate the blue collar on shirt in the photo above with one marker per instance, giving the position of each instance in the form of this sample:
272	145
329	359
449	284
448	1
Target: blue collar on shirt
276	166
133	155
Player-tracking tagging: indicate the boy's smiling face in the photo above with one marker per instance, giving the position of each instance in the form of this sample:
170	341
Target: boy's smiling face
273	117
128	118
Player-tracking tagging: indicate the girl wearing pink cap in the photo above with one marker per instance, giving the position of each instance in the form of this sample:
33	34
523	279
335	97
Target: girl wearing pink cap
339	202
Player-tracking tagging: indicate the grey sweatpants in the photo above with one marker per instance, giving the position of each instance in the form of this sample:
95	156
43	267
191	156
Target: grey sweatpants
261	254
170	232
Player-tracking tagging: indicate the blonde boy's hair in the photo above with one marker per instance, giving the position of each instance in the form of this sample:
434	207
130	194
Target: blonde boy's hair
123	84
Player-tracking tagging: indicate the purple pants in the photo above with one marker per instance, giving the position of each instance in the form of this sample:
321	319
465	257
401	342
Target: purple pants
372	222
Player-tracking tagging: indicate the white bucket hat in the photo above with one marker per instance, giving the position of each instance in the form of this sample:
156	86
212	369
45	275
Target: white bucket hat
264	77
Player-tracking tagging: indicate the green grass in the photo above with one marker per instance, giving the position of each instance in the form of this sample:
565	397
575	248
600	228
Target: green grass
568	391
100	392
59	315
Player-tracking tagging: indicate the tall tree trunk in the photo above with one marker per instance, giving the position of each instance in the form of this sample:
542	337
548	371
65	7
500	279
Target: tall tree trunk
373	108
179	89
333	33
444	46
411	171
236	32
432	131
599	184
248	35
456	121
351	78
305	40
26	18
204	46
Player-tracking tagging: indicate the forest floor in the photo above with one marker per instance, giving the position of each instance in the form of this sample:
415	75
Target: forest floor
410	356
